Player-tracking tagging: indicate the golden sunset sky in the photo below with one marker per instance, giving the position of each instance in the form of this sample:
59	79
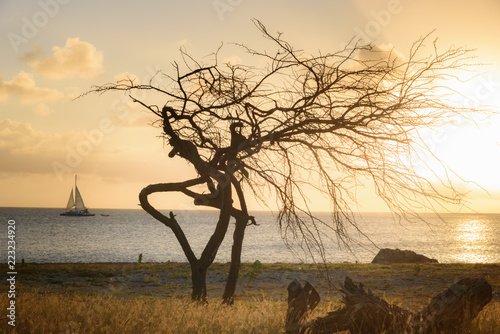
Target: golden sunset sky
54	50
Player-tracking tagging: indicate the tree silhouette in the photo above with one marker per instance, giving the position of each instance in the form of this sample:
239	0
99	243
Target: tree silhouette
327	122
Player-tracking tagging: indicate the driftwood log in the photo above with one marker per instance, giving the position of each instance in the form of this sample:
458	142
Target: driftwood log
455	307
363	312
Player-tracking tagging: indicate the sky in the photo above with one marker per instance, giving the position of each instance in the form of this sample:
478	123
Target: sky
54	50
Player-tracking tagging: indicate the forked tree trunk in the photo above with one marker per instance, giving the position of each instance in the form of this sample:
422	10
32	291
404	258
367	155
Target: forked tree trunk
198	266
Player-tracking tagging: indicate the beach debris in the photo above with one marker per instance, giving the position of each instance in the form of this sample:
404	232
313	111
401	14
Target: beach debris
301	300
387	256
363	312
456	306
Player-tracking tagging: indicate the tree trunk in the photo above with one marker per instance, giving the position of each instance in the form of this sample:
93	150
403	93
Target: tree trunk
198	266
234	269
199	280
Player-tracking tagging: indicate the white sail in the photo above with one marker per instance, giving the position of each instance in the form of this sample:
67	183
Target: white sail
78	200
71	201
75	206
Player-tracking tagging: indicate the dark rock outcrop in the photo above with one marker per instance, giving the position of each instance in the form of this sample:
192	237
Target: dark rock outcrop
387	256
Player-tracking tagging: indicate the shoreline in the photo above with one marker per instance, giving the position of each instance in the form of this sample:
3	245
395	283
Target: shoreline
409	284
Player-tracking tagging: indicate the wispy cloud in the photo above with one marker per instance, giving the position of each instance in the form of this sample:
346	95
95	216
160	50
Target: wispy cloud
27	150
76	59
42	109
23	85
24	149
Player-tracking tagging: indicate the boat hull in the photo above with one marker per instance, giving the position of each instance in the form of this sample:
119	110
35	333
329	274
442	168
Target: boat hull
77	214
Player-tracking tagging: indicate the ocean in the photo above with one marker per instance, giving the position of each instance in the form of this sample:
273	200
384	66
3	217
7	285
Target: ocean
43	236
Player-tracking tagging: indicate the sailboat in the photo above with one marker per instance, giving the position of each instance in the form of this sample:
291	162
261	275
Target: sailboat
75	207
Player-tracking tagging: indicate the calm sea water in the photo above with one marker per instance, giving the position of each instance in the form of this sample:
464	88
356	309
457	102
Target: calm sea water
43	236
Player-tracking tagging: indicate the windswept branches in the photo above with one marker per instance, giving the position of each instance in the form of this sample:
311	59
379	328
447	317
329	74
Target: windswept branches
327	122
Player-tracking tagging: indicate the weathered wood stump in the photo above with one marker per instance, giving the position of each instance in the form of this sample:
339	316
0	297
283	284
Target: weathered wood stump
363	312
455	307
300	301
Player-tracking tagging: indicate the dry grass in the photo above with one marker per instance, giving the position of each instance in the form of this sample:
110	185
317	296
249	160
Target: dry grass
57	313
126	298
75	313
488	321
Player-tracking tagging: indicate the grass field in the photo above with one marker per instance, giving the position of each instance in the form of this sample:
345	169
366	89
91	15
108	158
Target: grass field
154	297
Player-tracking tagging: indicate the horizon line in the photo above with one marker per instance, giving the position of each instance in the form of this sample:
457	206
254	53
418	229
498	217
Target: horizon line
261	210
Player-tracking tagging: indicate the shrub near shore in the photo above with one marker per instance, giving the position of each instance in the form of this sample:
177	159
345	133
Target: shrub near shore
49	305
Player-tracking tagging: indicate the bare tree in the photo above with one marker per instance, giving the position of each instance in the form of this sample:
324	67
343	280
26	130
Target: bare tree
325	121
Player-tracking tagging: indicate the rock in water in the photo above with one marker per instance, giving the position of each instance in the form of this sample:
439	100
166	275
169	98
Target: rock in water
387	256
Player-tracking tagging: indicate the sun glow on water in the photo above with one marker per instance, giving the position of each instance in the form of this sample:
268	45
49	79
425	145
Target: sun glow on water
473	236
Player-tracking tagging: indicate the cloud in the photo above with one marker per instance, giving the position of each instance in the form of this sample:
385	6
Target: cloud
42	109
23	86
24	149
33	55
72	92
76	59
